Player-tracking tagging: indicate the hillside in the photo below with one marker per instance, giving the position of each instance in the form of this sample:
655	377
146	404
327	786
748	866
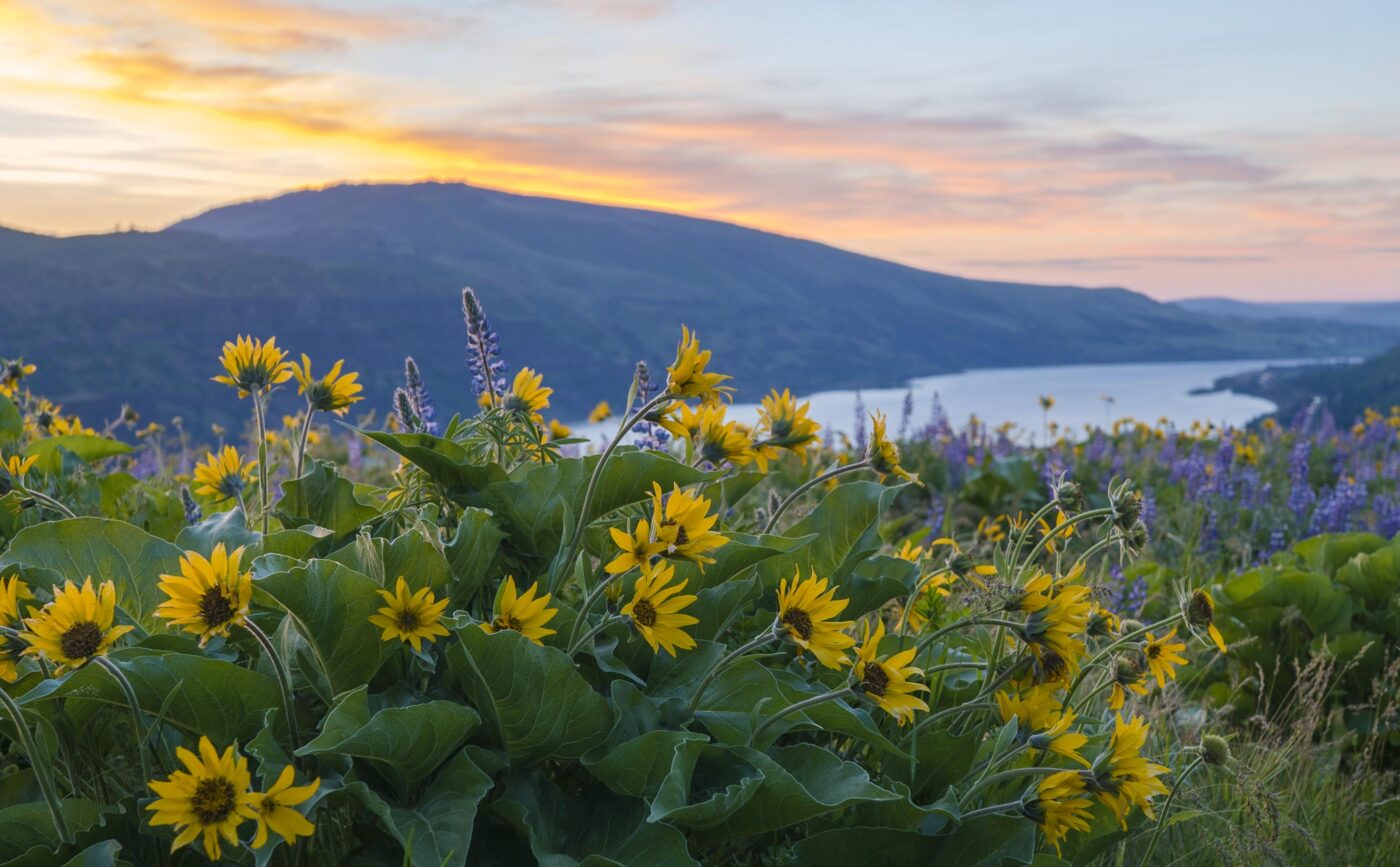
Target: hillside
373	272
1385	313
1348	390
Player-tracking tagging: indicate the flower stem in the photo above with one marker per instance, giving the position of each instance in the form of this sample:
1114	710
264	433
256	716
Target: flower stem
301	445
43	772
1013	773
842	692
757	642
602	624
137	726
587	605
261	422
1166	808
1131	636
807	486
947	711
577	538
987	811
284	682
47	501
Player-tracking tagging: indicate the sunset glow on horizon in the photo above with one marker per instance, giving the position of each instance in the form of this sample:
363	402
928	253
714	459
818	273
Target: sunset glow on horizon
1183	151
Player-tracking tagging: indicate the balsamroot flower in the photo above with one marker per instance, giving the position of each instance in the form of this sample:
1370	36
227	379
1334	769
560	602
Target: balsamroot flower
76	626
1058	804
331	393
785	424
1042	722
209	799
12	590
410	617
882	454
1128	676
557	430
681	522
805	611
719	441
274	811
12	370
687	377
635	547
655	610
18	467
1057	616
521	612
1200	613
1163	655
208	597
527	396
888	681
223	476
600	413
1062	530
1121	777
252	366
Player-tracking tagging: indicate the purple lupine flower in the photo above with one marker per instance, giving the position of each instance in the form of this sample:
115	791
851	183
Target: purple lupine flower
418	394
354	453
905	415
649	434
192	511
860	437
1300	494
483	347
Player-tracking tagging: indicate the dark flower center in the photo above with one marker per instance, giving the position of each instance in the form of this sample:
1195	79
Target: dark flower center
212	800
508	621
81	640
1153	651
214	608
1200	611
875	680
644	613
407	621
682	538
800	622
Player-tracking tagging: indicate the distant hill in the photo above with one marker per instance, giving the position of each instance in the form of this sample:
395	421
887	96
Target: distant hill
1383	313
373	272
1347	390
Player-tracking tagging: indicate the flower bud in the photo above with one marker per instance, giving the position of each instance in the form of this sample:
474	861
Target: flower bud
1215	750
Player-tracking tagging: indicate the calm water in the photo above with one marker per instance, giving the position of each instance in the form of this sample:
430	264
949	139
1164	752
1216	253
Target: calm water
1143	391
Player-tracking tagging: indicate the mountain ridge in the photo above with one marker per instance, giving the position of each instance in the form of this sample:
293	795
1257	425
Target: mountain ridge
373	272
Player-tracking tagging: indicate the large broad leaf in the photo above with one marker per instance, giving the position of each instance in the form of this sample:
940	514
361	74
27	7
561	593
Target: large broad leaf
876	581
534	503
598	829
229	528
845	525
639	766
78	548
1327	553
471	552
11	421
993	841
330	606
437	828
88	447
534	702
742	552
29	839
414	556
798	783
443	460
323	498
199	694
405	744
729	708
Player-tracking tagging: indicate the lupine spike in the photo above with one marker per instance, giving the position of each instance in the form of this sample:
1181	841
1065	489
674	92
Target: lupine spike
403	408
483	346
192	510
419	395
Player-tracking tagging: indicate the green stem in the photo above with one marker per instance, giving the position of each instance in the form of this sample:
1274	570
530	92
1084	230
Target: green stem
305	435
724	663
842	692
42	771
1049	538
577	538
914	597
261	422
807	486
46	500
1166	808
1013	773
1131	636
587	605
284	682
597	628
1035	519
959	624
137	725
947	711
987	811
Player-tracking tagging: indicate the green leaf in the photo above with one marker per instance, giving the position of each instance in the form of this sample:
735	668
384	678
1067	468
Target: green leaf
78	548
444	461
639	766
471	552
533	504
405	744
322	497
742	552
88	447
11	421
102	854
845	526
330	606
533	700
799	783
198	694
597	828
230	528
437	829
27	834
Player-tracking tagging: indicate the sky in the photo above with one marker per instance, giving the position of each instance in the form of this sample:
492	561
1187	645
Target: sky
1243	149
